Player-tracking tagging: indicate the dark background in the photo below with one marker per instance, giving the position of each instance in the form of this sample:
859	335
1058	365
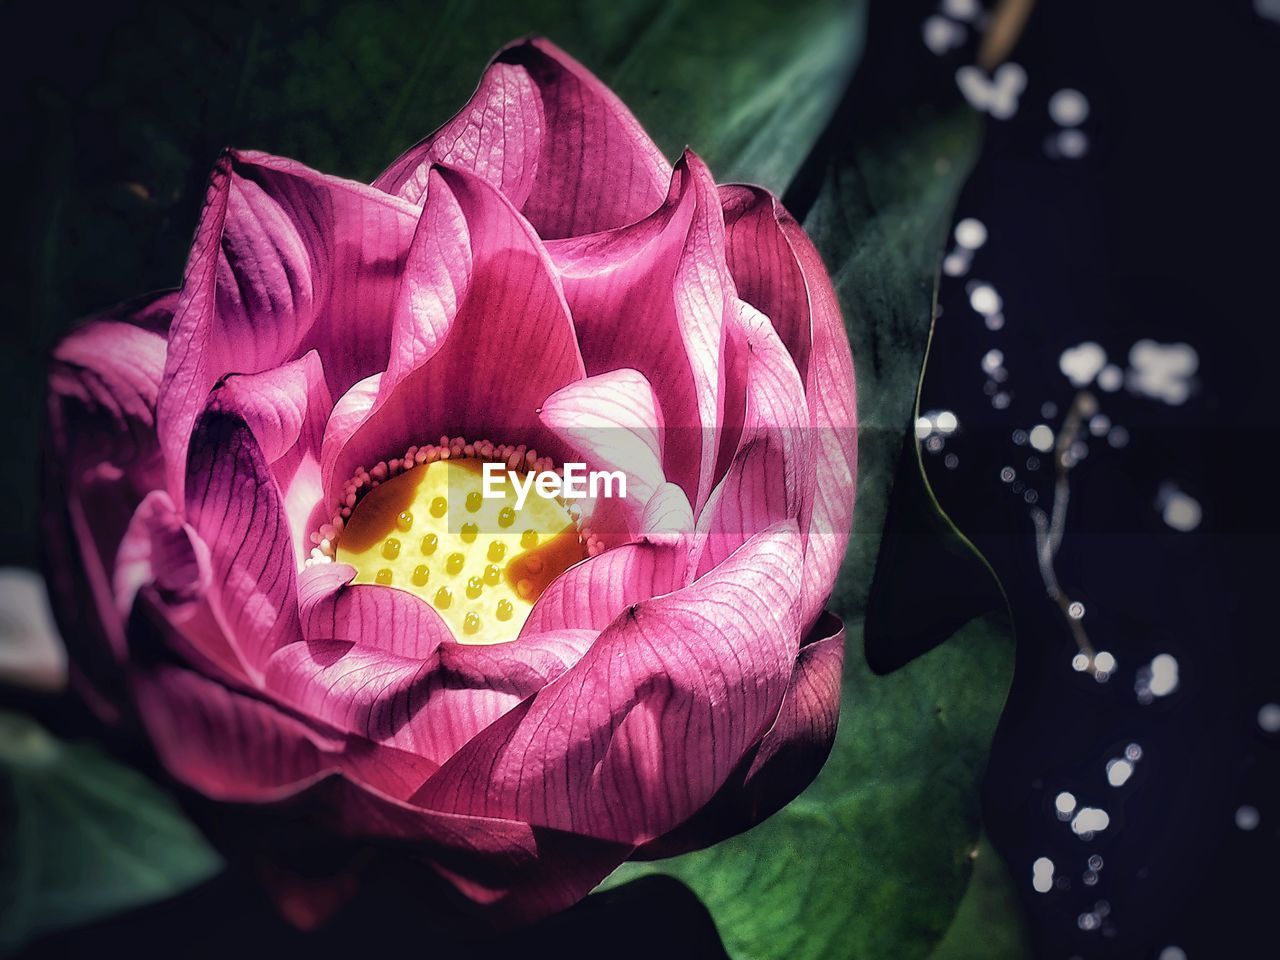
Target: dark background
1166	229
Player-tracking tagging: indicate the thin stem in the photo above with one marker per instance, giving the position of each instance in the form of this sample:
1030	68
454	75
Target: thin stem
1003	30
1050	527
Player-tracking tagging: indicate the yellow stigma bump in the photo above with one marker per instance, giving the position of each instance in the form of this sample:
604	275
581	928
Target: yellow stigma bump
481	576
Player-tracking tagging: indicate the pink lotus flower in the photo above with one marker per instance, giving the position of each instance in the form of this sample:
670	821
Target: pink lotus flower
271	551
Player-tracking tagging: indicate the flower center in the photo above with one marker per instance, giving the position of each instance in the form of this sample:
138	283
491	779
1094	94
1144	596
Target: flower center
480	561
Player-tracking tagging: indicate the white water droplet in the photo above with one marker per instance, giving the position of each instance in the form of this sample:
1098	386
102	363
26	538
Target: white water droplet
962	9
1080	364
1111	378
1069	108
1178	509
956	264
1042	875
1248	818
1163	371
1118	772
1090	820
985	300
1041	438
971	233
941	35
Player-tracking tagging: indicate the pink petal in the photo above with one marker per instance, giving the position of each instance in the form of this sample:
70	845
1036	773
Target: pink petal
102	456
553	138
431	694
765	270
833	398
789	756
771	475
348	414
805	728
234	748
278	246
159	549
378	696
668	518
395	621
649	724
193	632
497	135
778	271
478	347
428	708
594	593
653	297
612	423
286	408
104	380
234	505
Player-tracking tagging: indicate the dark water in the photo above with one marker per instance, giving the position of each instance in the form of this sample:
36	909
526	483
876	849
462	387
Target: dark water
1164	230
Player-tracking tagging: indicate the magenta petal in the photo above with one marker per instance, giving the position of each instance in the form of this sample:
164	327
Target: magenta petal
233	503
516	890
770	477
598	168
649	724
668	518
476	349
497	136
471	687
833	399
286	408
102	454
765	269
395	621
592	594
613	423
347	416
778	271
104	379
381	664
390	700
805	728
278	246
789	755
561	146
160	550
654	297
235	748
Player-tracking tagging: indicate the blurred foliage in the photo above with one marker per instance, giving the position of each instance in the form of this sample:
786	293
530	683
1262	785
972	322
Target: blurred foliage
83	836
988	925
